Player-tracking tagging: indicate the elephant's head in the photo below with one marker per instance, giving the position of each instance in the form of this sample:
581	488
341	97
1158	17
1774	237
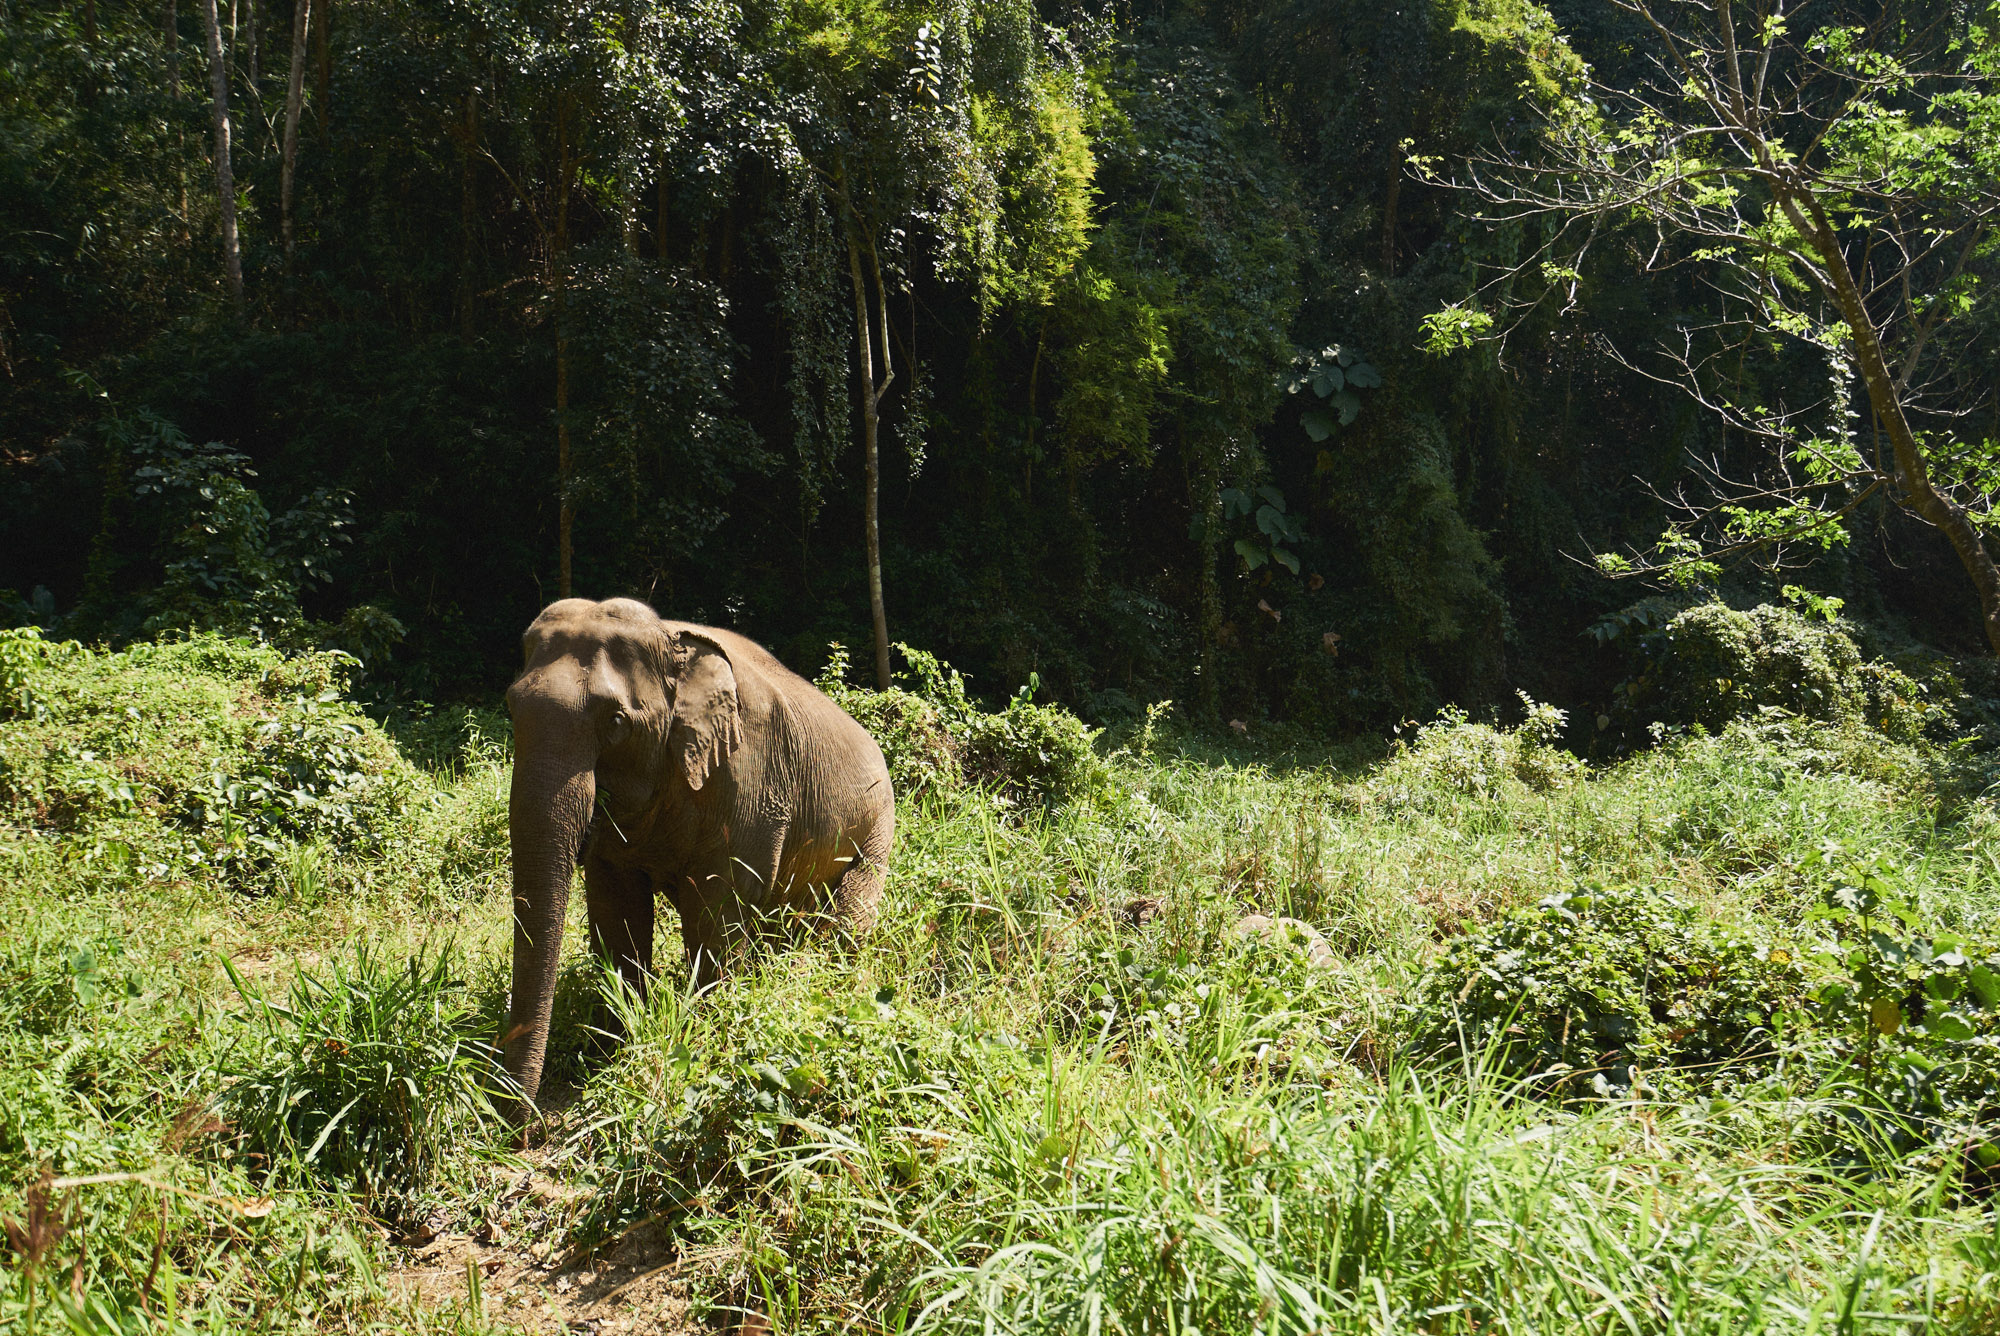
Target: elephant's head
613	707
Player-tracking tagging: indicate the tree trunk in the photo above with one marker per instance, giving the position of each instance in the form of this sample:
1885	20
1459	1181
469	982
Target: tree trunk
871	405
173	50
559	279
660	223
468	222
251	16
225	181
295	90
1389	201
1205	484
1911	472
322	23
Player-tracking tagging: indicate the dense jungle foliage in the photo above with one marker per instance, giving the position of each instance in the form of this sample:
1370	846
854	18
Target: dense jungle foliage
1179	309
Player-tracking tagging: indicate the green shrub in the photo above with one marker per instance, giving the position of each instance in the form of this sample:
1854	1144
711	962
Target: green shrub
1590	989
678	1121
1452	757
916	740
1711	664
935	738
1036	753
370	1073
25	660
1910	1015
197	753
79	1021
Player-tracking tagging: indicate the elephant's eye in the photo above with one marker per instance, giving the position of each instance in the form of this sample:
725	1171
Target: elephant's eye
621	726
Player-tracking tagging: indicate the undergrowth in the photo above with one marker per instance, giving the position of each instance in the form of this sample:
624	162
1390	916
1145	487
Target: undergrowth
1699	1042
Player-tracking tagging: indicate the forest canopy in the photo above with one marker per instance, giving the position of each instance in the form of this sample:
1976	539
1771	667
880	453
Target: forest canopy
1308	362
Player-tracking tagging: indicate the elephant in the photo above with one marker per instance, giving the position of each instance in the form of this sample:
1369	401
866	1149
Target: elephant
682	761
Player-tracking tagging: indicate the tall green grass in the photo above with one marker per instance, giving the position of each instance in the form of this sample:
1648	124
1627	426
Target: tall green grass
1054	1092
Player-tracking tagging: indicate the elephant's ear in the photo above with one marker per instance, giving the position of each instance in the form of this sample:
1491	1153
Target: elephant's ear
707	723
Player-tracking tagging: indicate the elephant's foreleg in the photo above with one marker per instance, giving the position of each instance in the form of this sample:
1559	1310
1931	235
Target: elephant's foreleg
710	924
620	902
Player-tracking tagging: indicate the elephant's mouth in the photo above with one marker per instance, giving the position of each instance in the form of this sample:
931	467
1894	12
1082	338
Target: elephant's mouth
626	816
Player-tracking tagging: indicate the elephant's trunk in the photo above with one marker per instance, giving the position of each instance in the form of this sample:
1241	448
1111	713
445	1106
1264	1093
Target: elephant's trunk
554	787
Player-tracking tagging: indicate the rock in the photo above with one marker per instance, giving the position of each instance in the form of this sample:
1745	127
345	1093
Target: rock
1143	910
1295	933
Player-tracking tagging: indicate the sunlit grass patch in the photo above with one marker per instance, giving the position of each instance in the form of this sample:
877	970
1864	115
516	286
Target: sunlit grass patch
369	1074
1060	1084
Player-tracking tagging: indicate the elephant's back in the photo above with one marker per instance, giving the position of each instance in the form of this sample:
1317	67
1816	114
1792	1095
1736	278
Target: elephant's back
840	757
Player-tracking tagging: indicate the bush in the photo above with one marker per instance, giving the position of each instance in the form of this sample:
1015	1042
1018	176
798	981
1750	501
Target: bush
202	752
1910	1017
26	659
719	1123
79	1019
1711	664
916	740
1453	756
1591	988
936	738
369	1074
1040	753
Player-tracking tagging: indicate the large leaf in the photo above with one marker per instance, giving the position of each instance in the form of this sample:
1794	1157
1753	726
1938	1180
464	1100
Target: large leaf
1948	1025
1349	406
1363	376
1234	503
1253	556
1317	422
1286	559
1274	496
1270	522
1328	379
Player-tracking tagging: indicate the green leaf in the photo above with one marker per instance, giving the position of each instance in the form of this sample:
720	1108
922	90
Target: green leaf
1253	555
1234	503
1327	380
1948	1025
1363	376
1317	422
1286	559
1985	985
1885	1015
1349	406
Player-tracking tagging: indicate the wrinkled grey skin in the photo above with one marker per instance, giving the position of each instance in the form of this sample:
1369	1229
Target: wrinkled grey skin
683	762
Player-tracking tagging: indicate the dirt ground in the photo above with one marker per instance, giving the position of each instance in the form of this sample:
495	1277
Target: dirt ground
639	1283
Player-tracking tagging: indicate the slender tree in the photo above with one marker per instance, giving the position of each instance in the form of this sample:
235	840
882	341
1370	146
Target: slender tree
558	280
294	99
910	148
173	37
873	388
225	180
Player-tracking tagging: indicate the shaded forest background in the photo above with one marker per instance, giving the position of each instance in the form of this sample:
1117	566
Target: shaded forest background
595	259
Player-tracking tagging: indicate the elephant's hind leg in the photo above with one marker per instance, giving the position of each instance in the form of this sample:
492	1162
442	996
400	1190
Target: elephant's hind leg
857	896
